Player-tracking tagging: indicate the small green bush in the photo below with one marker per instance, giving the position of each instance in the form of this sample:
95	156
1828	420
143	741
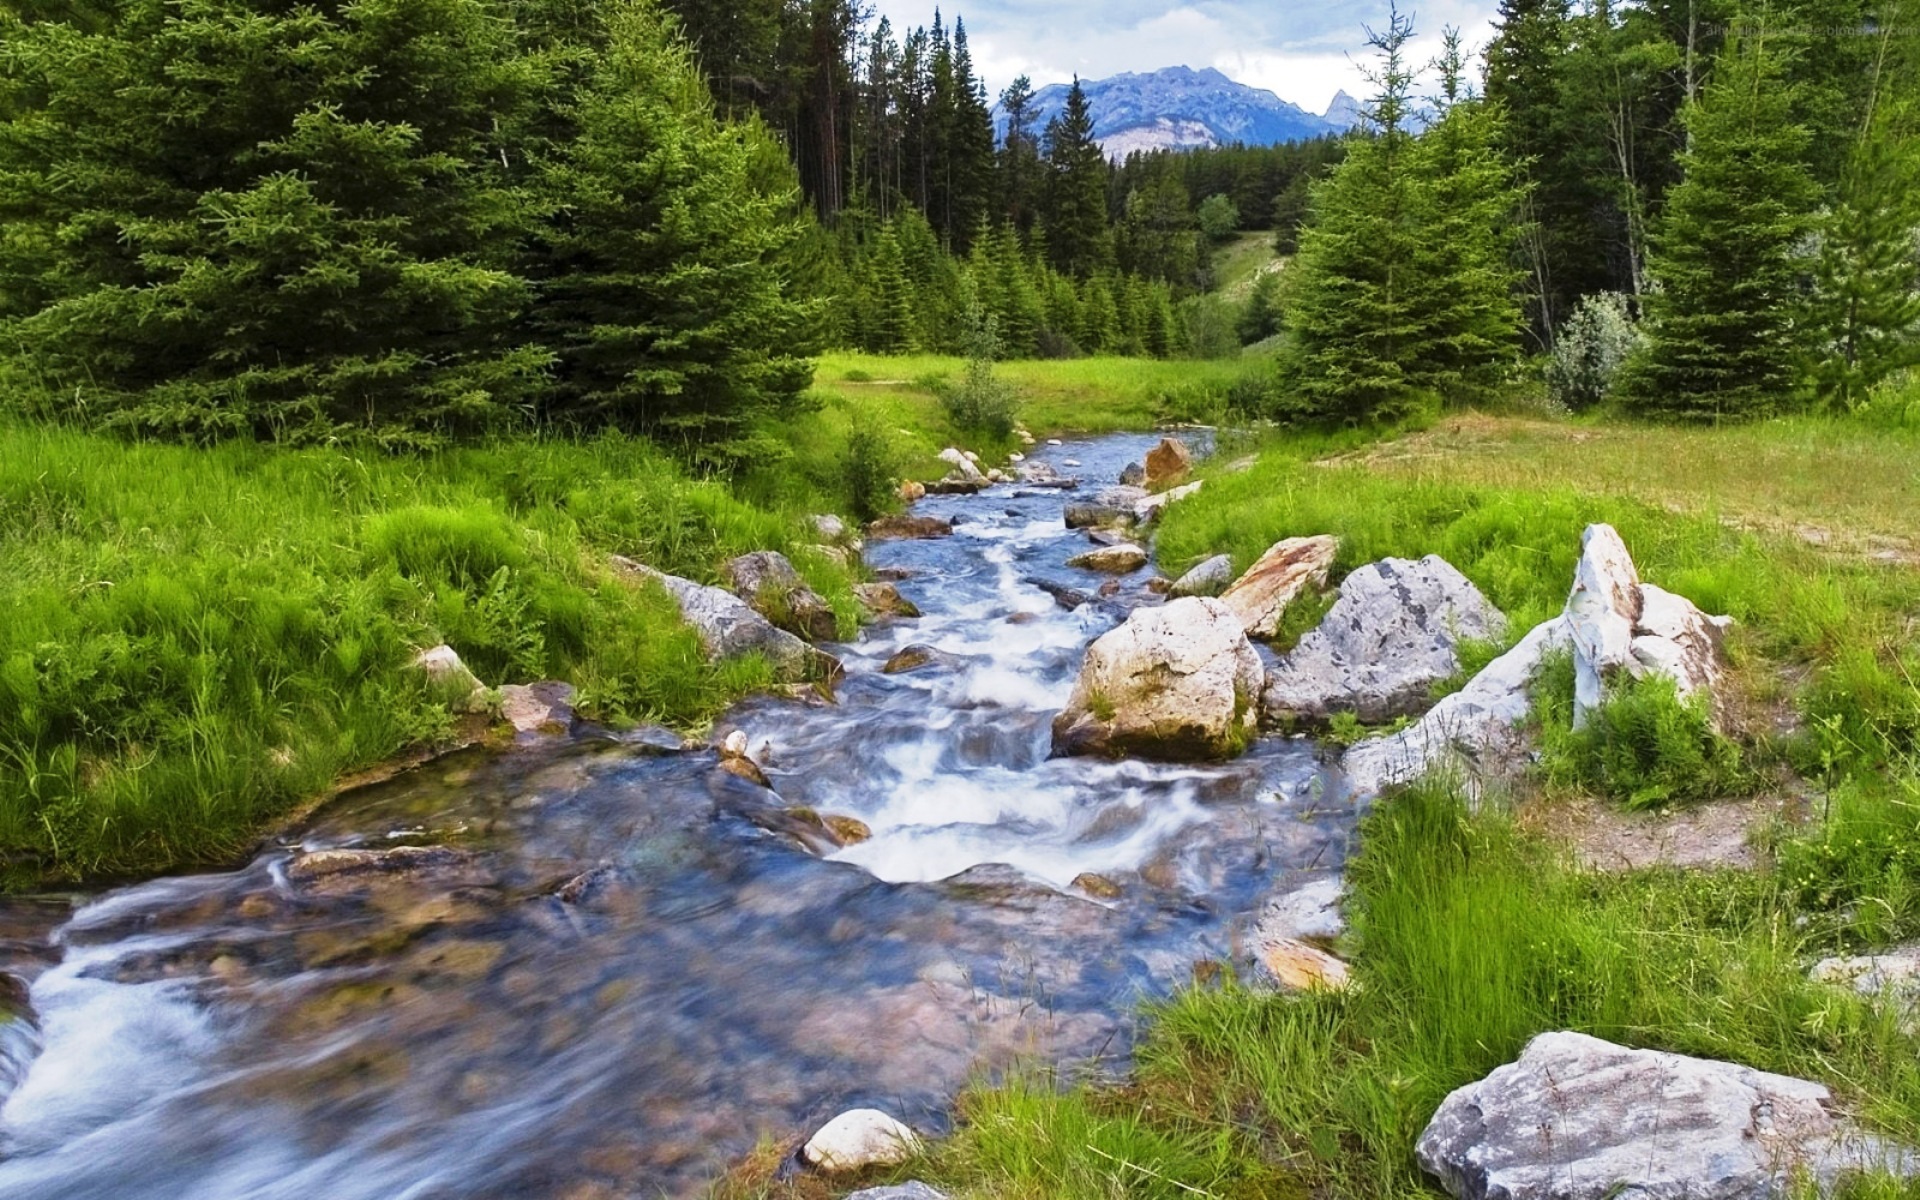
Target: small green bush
868	467
1590	350
1644	747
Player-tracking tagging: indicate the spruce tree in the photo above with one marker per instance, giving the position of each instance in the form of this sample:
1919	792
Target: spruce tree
1722	340
1353	290
241	217
1866	305
1076	194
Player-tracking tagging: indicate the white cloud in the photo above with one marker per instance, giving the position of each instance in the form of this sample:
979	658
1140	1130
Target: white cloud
1305	53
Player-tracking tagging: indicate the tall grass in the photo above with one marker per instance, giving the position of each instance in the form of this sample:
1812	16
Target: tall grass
198	638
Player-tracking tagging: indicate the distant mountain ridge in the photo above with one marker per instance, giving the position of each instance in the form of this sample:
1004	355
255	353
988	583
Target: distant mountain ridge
1179	108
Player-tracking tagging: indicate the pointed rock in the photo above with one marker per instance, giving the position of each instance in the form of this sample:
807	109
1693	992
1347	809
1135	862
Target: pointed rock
1260	597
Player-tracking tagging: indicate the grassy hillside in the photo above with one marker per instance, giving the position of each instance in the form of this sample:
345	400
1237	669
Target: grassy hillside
1238	263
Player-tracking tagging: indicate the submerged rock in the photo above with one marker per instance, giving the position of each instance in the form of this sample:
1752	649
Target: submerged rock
1475	729
768	582
1175	682
921	528
1577	1118
1168	463
1260	597
858	1139
1112	560
917	657
1622	627
1392	635
1210	578
316	865
729	629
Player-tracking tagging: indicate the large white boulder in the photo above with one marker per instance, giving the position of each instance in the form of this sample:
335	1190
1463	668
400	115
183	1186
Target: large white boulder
1177	682
858	1139
729	629
1475	729
1260	597
1623	628
1392	635
1577	1118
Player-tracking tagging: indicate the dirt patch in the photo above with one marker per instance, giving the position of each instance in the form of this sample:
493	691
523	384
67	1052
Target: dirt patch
1722	836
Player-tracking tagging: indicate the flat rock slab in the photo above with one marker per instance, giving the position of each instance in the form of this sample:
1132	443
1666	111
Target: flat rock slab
1122	559
538	707
1578	1118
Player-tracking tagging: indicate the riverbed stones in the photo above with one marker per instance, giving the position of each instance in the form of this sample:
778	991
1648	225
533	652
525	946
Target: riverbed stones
1578	1118
316	865
1121	559
1175	682
909	528
538	707
884	600
728	628
858	1139
1475	730
1042	475
919	657
1260	597
768	581
1210	578
1168	463
1624	628
1309	912
965	466
1133	475
1393	634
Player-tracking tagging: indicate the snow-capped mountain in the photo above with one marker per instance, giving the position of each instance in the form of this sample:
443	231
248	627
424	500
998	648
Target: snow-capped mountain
1179	108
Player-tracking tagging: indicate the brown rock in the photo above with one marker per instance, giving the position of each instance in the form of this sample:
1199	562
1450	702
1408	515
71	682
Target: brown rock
1168	463
910	527
747	769
1098	886
884	600
1299	967
1261	596
1112	560
538	707
913	490
850	831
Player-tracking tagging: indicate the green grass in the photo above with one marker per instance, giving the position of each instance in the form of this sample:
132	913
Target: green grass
1240	261
200	638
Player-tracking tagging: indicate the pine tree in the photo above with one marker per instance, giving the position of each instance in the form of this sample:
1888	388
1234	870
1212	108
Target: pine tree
1353	290
1019	156
306	233
1076	194
892	304
662	271
1467	314
1721	335
1866	304
1260	319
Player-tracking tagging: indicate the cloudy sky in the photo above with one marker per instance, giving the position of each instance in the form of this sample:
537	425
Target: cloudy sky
1303	51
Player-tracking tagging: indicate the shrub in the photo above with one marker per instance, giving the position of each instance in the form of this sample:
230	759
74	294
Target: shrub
1644	747
981	402
868	466
1595	342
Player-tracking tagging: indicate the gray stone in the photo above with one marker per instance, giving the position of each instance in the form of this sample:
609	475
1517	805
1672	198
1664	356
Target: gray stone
964	465
1112	560
444	669
1577	1118
1133	475
768	582
1309	912
1392	635
1474	730
1148	511
1891	977
830	527
1210	578
729	629
1108	506
884	600
1174	682
914	1190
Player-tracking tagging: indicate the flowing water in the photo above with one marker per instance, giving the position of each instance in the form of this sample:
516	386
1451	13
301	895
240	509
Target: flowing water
624	966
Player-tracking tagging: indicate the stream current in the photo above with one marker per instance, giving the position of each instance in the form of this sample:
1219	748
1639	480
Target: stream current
627	966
